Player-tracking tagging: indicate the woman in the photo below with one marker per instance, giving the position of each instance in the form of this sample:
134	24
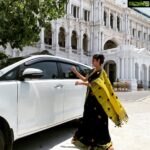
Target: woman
101	103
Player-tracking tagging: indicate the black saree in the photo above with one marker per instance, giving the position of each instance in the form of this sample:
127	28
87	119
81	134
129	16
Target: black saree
93	129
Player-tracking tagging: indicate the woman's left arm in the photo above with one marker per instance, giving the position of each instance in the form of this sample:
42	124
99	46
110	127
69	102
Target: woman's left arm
82	83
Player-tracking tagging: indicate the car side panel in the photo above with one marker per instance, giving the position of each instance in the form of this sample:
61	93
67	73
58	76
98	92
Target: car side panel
74	99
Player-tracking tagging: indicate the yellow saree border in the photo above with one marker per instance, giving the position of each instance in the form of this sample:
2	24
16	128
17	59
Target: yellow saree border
104	92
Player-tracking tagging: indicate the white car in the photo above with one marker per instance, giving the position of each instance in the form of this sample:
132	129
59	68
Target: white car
37	93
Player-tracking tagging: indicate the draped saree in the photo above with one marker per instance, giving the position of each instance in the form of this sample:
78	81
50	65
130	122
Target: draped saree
101	103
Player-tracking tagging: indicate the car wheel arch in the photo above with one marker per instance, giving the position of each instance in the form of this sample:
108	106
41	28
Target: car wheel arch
8	133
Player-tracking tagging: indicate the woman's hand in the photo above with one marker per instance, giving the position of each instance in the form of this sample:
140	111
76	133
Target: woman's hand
77	83
82	83
74	69
78	74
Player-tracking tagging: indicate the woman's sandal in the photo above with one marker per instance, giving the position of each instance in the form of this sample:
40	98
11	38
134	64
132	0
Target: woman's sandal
78	144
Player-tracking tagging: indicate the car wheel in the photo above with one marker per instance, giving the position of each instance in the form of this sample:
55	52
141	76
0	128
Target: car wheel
2	141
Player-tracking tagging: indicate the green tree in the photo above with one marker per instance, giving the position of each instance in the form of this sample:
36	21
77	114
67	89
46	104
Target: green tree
21	20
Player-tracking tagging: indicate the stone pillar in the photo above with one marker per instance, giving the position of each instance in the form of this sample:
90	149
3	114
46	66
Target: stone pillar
99	41
118	68
56	38
122	68
139	73
95	42
68	44
130	69
147	77
133	68
92	12
69	8
81	42
115	22
89	46
102	37
102	13
126	68
81	9
122	23
42	39
108	19
91	42
53	37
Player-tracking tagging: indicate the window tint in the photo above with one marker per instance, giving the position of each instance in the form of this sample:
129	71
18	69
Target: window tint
84	70
49	69
12	75
66	71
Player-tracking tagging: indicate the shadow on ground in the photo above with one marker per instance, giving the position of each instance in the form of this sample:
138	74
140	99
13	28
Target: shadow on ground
47	139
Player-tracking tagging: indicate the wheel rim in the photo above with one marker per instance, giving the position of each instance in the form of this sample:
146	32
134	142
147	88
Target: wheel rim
1	141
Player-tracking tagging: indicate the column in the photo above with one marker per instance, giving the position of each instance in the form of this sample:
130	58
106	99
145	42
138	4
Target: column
139	73
130	69
133	68
89	46
42	39
102	40
122	68
118	68
108	19
92	12
69	8
122	23
126	68
115	22
102	14
91	42
80	44
68	39
99	41
147	80
81	9
56	38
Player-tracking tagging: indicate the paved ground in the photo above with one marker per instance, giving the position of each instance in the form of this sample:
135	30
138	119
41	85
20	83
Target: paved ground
133	136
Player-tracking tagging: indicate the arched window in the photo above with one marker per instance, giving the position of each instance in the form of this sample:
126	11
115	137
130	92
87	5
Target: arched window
62	37
48	35
109	45
105	18
111	21
74	40
85	44
118	23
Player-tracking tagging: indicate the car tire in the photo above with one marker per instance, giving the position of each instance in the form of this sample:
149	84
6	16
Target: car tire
2	141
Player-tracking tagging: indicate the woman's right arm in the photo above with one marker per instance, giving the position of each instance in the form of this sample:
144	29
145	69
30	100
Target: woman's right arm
80	76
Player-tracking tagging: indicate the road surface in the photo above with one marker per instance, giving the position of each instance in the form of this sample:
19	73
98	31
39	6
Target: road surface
133	136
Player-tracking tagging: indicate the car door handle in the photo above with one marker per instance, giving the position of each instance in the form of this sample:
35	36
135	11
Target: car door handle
58	86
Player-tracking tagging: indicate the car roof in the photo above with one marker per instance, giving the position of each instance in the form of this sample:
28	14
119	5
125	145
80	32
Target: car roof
38	58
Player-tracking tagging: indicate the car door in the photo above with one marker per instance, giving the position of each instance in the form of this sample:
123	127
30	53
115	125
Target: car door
8	98
40	101
74	95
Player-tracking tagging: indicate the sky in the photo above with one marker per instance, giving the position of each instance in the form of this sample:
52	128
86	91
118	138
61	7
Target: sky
145	10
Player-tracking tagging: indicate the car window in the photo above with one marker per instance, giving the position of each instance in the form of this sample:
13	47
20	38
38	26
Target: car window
84	70
12	75
49	69
66	71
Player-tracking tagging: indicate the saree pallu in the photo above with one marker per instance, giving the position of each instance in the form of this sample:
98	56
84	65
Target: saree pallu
107	98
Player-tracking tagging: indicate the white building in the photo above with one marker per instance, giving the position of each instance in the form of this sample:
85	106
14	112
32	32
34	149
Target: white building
101	26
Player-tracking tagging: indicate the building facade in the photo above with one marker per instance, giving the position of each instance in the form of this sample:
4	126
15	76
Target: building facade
100	26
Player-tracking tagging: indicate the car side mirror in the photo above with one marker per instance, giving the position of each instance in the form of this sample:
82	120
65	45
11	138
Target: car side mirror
32	73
